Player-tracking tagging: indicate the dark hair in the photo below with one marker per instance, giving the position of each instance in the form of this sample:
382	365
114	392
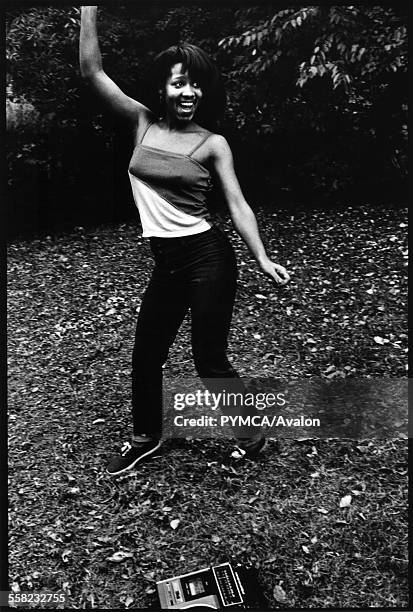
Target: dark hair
200	68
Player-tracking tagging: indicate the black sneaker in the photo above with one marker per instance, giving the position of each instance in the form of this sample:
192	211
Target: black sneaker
248	448
130	455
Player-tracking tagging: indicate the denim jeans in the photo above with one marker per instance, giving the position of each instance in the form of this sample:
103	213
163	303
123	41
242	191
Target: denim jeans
199	273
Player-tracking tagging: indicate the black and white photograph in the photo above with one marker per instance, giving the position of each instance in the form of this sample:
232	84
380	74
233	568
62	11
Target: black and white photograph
207	338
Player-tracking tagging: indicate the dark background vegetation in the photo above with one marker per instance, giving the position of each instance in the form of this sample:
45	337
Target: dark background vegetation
317	107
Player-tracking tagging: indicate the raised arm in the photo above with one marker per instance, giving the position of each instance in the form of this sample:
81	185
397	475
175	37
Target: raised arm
241	213
91	69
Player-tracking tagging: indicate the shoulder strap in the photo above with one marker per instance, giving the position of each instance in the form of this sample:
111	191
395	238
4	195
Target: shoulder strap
144	133
201	142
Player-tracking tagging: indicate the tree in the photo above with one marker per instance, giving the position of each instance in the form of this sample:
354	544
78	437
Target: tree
321	67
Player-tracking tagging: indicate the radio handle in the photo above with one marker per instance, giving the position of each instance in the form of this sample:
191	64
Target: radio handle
197	605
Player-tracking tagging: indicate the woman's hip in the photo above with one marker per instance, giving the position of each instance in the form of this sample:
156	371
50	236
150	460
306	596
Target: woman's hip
210	250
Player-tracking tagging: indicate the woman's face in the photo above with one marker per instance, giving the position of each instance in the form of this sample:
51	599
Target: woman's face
182	94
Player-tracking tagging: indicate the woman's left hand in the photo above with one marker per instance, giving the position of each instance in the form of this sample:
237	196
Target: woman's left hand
278	273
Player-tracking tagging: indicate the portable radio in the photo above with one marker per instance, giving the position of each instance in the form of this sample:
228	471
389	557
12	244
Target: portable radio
216	587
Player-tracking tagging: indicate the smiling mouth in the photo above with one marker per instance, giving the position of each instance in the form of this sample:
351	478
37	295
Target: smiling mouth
187	105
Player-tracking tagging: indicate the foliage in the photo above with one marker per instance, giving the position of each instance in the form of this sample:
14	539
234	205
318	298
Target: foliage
332	76
346	43
20	114
42	61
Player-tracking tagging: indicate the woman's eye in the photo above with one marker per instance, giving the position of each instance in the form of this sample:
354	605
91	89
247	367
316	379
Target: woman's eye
194	84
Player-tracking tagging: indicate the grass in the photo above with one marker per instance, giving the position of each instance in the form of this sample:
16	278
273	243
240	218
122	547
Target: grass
72	307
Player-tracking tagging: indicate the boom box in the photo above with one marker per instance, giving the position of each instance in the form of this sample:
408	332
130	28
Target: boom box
216	587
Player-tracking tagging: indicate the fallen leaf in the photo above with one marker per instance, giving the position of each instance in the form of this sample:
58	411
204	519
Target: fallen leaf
54	537
149	575
120	556
174	523
345	501
306	549
65	555
238	454
104	539
128	602
216	539
322	510
279	594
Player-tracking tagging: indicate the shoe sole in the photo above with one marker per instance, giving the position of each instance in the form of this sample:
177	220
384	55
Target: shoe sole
132	465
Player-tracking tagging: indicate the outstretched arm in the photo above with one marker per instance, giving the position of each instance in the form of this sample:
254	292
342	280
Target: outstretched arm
241	213
91	69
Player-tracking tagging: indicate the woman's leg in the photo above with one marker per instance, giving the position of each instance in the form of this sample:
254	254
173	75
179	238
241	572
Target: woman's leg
212	300
212	297
162	311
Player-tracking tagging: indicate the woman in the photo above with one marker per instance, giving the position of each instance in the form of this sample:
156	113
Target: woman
195	268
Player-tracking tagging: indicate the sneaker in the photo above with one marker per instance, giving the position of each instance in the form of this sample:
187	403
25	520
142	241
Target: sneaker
130	455
249	448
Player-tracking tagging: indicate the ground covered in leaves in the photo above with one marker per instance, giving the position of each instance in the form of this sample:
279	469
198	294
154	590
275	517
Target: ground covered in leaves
324	521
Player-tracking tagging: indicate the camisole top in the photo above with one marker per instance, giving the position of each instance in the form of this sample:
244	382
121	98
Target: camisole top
170	190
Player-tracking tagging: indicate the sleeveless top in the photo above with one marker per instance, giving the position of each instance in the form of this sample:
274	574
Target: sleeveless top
170	190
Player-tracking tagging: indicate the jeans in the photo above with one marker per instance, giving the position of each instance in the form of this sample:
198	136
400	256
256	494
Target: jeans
196	272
